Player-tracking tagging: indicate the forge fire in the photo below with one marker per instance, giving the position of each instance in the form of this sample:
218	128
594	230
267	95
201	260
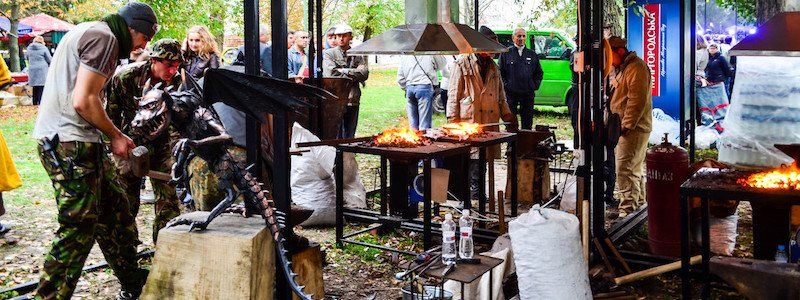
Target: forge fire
403	137
462	130
785	177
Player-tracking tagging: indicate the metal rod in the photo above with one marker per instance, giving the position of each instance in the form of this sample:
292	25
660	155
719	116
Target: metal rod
598	156
686	248
252	66
339	177
705	231
477	4
426	235
368	229
684	80
312	54
333	142
384	248
692	73
384	187
320	37
482	180
514	178
280	44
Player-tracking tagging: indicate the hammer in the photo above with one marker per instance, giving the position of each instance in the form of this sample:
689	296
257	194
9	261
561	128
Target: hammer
140	164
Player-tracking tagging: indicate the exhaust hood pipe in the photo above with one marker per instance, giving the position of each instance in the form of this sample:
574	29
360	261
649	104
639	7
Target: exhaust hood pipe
443	37
444	12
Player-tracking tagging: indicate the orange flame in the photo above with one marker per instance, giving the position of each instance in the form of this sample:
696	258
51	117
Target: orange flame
785	177
462	130
400	137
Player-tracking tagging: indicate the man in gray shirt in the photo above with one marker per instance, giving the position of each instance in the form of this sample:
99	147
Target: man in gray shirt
91	203
417	76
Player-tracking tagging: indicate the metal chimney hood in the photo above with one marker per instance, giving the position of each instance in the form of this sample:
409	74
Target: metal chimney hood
780	36
443	37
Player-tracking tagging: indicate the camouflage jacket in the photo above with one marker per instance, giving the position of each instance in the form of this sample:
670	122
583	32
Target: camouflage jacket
123	91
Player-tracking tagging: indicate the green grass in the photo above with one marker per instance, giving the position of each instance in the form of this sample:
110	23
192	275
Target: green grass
17	125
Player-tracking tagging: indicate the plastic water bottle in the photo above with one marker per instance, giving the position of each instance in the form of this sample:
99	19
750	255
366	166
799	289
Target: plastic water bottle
465	246
448	240
780	256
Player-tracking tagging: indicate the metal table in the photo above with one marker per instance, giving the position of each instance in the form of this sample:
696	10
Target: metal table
771	211
483	142
466	273
424	153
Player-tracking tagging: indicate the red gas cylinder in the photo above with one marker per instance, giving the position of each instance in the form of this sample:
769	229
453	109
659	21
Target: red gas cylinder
667	169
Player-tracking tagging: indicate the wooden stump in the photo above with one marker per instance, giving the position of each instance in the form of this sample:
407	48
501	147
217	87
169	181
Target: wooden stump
533	181
234	258
308	265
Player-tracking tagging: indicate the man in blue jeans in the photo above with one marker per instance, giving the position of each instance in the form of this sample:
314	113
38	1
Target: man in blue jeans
417	76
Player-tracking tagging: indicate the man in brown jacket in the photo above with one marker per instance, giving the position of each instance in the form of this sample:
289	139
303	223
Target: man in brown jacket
476	95
633	102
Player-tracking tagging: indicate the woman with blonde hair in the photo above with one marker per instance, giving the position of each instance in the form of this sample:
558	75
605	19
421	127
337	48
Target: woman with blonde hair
38	62
200	51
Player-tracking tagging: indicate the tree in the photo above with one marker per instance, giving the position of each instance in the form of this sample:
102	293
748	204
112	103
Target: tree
746	9
15	10
373	17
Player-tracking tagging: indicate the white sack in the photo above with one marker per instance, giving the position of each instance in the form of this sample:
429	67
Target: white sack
548	255
313	184
311	180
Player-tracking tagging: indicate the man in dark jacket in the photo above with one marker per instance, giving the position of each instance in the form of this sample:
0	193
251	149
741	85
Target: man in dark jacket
717	70
522	76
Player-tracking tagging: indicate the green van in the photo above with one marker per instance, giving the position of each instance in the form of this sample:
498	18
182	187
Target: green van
554	50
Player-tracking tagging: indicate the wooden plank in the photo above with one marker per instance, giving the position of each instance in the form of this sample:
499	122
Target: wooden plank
655	271
603	255
618	256
232	259
308	265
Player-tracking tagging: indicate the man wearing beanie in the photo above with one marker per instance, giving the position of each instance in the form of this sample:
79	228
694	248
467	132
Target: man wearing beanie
68	130
123	92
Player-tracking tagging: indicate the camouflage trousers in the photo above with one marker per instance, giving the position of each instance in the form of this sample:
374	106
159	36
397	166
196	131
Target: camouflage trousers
167	205
204	184
92	207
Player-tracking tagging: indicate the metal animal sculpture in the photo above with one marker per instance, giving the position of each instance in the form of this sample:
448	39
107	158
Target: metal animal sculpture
203	135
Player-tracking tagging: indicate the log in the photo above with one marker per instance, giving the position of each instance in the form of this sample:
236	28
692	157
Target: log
234	258
655	271
533	181
308	265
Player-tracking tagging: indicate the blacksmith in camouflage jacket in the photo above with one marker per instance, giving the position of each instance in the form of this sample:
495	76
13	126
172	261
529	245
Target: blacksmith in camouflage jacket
122	95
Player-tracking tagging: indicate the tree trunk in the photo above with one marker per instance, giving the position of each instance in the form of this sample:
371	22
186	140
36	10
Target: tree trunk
13	41
468	13
614	14
368	31
766	9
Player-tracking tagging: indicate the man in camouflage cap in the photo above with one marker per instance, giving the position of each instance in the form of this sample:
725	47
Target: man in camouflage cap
122	95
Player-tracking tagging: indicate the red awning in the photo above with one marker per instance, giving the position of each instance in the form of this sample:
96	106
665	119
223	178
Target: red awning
43	23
